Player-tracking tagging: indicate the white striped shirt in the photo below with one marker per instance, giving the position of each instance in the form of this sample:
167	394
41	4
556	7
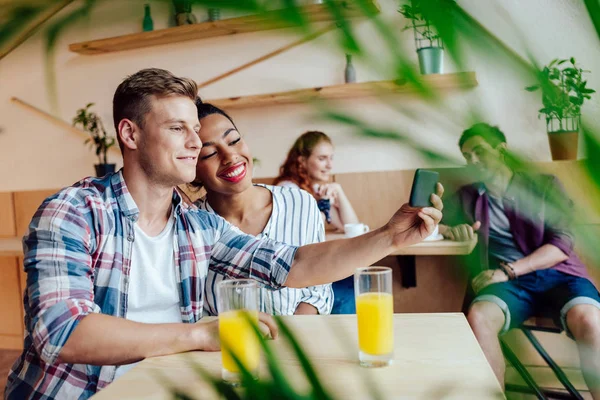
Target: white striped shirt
295	220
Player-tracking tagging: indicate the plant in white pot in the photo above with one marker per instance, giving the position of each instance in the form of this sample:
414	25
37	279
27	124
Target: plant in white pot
563	93
430	47
91	123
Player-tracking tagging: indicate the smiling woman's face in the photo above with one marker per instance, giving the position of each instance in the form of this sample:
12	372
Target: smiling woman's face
225	162
320	162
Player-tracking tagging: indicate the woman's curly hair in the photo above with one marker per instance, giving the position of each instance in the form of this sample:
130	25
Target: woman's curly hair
292	170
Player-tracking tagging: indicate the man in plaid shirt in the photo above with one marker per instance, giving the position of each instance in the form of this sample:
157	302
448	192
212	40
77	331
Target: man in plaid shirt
86	288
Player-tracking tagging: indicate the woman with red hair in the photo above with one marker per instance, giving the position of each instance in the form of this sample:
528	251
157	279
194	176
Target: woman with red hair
308	166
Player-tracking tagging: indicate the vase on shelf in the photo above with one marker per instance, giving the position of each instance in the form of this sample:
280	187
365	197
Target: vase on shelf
147	23
349	72
183	12
563	136
214	14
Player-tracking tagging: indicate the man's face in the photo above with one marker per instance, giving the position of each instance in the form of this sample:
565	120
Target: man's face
484	159
169	143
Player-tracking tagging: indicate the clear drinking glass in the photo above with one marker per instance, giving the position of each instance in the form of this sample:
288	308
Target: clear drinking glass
375	314
235	298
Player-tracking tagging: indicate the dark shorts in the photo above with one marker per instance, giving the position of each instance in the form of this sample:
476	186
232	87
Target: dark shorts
547	292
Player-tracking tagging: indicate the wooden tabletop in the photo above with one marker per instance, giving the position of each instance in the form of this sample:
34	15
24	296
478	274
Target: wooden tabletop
435	356
11	247
430	248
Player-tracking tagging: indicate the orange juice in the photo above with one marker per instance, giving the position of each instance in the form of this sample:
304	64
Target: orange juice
375	312
237	333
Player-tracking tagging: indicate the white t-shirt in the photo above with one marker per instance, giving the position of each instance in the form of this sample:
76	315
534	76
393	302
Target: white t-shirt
153	293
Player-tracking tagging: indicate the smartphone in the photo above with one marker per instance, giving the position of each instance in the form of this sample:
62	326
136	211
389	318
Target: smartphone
424	185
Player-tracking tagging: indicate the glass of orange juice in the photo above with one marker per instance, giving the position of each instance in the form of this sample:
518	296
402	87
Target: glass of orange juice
375	314
237	301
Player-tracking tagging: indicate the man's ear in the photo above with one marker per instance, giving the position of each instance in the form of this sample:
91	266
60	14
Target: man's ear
502	148
128	132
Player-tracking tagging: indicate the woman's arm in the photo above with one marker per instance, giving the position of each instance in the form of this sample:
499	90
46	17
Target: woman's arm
340	203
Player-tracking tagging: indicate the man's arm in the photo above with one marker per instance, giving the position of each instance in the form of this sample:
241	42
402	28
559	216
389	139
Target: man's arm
558	238
101	339
454	226
460	233
334	260
238	255
306	309
544	257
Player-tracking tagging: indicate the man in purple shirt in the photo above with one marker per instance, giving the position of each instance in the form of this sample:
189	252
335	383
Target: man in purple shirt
525	256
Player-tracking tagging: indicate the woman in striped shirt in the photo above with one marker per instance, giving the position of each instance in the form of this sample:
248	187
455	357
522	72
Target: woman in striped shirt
290	216
308	166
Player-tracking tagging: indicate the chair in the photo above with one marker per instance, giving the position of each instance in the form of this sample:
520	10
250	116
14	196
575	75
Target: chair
542	324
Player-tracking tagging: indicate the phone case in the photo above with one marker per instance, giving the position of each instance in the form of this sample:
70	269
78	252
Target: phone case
424	184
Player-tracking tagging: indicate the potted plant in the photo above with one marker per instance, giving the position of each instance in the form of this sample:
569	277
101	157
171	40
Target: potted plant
90	122
563	93
430	48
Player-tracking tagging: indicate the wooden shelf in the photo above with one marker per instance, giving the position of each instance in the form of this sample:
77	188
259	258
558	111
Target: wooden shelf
461	80
231	26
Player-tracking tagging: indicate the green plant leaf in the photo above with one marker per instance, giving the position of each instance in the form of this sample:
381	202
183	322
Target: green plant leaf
218	385
275	370
318	390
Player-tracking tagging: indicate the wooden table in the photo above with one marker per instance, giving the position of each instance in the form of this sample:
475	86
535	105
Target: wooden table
430	248
436	356
406	255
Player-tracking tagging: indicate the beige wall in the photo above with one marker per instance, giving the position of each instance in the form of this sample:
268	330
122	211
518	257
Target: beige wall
36	154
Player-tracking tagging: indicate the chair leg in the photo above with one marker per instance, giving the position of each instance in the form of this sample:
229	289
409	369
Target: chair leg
533	386
549	393
562	377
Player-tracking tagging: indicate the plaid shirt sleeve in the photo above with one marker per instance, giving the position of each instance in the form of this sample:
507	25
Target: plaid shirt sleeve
59	273
239	255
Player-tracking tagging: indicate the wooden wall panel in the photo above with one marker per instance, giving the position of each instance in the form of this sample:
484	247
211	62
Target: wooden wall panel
266	181
586	246
11	314
573	177
375	196
11	342
441	284
7	215
26	204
